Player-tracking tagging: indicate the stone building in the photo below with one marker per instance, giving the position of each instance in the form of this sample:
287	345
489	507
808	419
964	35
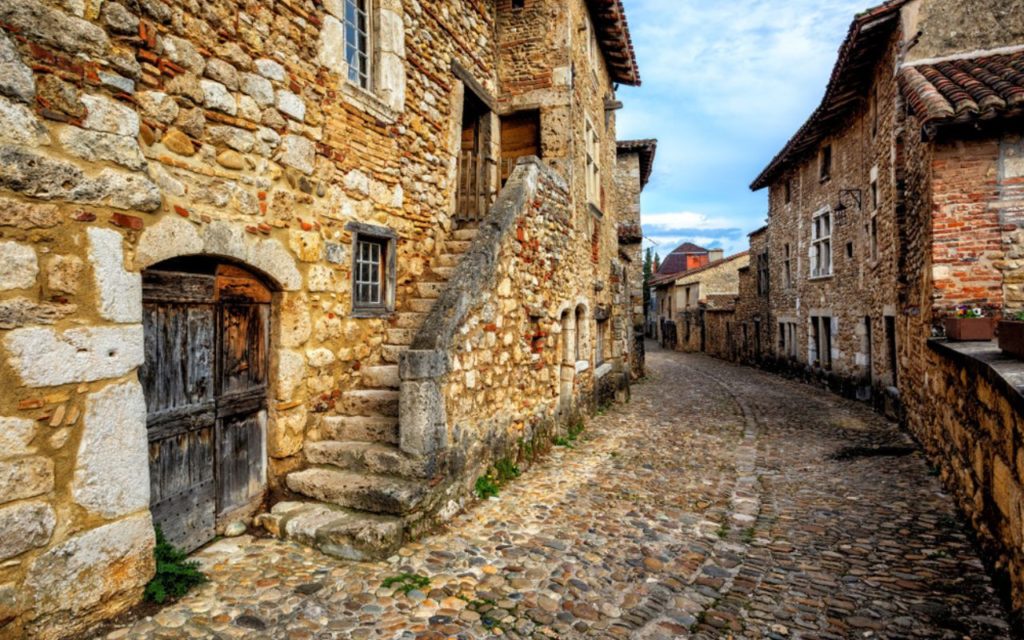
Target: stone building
633	169
328	258
753	331
690	290
832	250
681	259
899	200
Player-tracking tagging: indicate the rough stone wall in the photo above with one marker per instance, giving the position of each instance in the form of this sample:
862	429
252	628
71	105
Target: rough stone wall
719	327
948	27
626	178
860	285
972	426
754	320
508	359
133	133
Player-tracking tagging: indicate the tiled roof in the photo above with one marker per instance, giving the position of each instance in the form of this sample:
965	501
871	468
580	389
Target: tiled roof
960	90
646	149
669	277
866	41
616	42
688	247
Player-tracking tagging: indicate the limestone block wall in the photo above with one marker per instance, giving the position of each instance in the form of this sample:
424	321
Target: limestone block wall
948	27
627	177
971	425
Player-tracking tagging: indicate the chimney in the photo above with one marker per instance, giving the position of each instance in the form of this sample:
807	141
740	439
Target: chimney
716	254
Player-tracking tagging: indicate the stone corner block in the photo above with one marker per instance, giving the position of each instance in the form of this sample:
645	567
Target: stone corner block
113	458
120	291
422	365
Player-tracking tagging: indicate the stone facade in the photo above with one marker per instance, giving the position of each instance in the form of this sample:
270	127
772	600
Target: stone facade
914	194
134	136
632	172
691	292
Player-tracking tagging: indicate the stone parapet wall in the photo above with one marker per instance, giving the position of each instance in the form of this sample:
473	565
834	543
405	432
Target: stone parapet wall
487	371
970	419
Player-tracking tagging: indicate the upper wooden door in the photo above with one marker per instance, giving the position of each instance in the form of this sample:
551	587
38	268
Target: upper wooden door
205	381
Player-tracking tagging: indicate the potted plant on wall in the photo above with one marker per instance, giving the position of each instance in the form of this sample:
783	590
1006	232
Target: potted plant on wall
969	323
1011	335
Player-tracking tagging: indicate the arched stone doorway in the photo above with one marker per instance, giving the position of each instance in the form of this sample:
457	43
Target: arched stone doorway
206	323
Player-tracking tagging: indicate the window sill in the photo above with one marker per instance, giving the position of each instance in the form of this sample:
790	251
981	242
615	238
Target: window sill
372	313
595	210
602	370
820	278
582	365
366	100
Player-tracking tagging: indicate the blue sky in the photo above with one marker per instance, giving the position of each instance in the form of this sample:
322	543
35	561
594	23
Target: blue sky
725	85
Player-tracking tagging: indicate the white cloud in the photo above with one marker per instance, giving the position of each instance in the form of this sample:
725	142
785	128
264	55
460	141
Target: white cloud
685	220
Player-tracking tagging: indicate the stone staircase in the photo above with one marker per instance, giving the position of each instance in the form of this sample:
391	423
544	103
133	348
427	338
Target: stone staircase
359	487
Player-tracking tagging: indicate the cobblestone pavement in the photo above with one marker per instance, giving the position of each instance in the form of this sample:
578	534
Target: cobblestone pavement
721	503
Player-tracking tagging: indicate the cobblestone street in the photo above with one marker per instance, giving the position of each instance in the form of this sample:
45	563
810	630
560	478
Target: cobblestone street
721	502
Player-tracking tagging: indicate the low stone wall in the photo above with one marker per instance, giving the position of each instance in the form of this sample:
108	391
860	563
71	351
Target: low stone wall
971	423
486	377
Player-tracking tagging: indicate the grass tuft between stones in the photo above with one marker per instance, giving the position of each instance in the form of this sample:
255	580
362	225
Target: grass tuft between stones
175	573
406	582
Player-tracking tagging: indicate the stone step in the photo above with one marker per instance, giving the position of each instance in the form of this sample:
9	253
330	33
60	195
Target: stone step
381	377
447	260
338	532
466	233
421	305
408	320
400	336
391	352
366	492
457	246
443	272
369	402
364	429
367	457
430	290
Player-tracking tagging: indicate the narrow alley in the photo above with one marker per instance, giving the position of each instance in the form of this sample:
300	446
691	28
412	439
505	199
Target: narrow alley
721	502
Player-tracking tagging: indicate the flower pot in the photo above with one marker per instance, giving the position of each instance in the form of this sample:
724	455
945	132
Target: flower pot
967	329
1011	338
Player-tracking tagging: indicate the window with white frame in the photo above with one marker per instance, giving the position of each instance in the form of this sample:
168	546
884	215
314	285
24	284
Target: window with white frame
357	41
593	165
821	244
873	223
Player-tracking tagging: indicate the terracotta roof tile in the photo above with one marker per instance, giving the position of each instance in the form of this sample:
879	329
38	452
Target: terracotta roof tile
965	89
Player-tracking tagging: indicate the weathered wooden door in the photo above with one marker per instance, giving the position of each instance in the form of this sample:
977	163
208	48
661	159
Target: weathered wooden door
205	380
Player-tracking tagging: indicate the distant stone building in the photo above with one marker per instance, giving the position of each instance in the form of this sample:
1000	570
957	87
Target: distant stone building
899	200
328	259
690	290
683	258
632	173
